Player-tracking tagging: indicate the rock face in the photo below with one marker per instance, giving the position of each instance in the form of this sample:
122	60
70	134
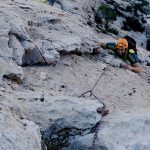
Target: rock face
11	69
16	133
29	39
60	117
52	27
82	9
128	17
119	89
44	97
123	132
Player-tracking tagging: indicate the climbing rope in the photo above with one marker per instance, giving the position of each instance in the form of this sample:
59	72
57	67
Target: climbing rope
103	111
39	51
95	135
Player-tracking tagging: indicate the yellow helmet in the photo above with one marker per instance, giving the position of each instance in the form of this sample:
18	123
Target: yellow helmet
122	43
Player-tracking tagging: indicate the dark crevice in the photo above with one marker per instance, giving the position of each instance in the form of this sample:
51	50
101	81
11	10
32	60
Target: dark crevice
26	8
73	52
12	77
55	140
135	24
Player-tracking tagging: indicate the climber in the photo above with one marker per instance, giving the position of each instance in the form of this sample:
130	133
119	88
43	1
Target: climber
124	51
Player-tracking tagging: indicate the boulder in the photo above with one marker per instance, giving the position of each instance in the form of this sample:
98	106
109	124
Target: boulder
60	117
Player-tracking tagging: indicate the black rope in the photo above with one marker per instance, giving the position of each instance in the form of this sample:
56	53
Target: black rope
103	111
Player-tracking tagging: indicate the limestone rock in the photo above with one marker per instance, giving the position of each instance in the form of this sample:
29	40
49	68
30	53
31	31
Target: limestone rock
63	111
18	50
16	133
64	32
32	32
82	9
50	54
11	71
59	117
123	132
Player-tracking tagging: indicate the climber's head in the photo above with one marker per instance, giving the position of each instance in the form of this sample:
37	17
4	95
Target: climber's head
122	46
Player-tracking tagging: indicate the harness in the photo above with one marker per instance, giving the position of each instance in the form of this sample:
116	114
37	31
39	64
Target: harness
128	54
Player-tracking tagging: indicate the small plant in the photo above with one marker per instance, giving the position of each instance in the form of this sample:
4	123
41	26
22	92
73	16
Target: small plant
43	1
49	147
109	13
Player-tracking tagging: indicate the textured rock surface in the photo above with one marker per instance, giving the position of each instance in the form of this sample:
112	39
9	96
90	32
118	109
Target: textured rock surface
29	32
122	91
35	33
16	133
59	117
122	132
82	9
64	111
11	71
119	18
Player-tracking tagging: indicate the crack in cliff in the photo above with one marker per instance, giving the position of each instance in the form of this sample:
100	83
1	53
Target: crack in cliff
57	139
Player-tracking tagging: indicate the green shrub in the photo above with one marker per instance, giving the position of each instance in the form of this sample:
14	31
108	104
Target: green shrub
43	1
108	12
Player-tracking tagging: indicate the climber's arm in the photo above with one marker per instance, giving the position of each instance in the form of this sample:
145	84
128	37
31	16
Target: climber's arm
111	46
